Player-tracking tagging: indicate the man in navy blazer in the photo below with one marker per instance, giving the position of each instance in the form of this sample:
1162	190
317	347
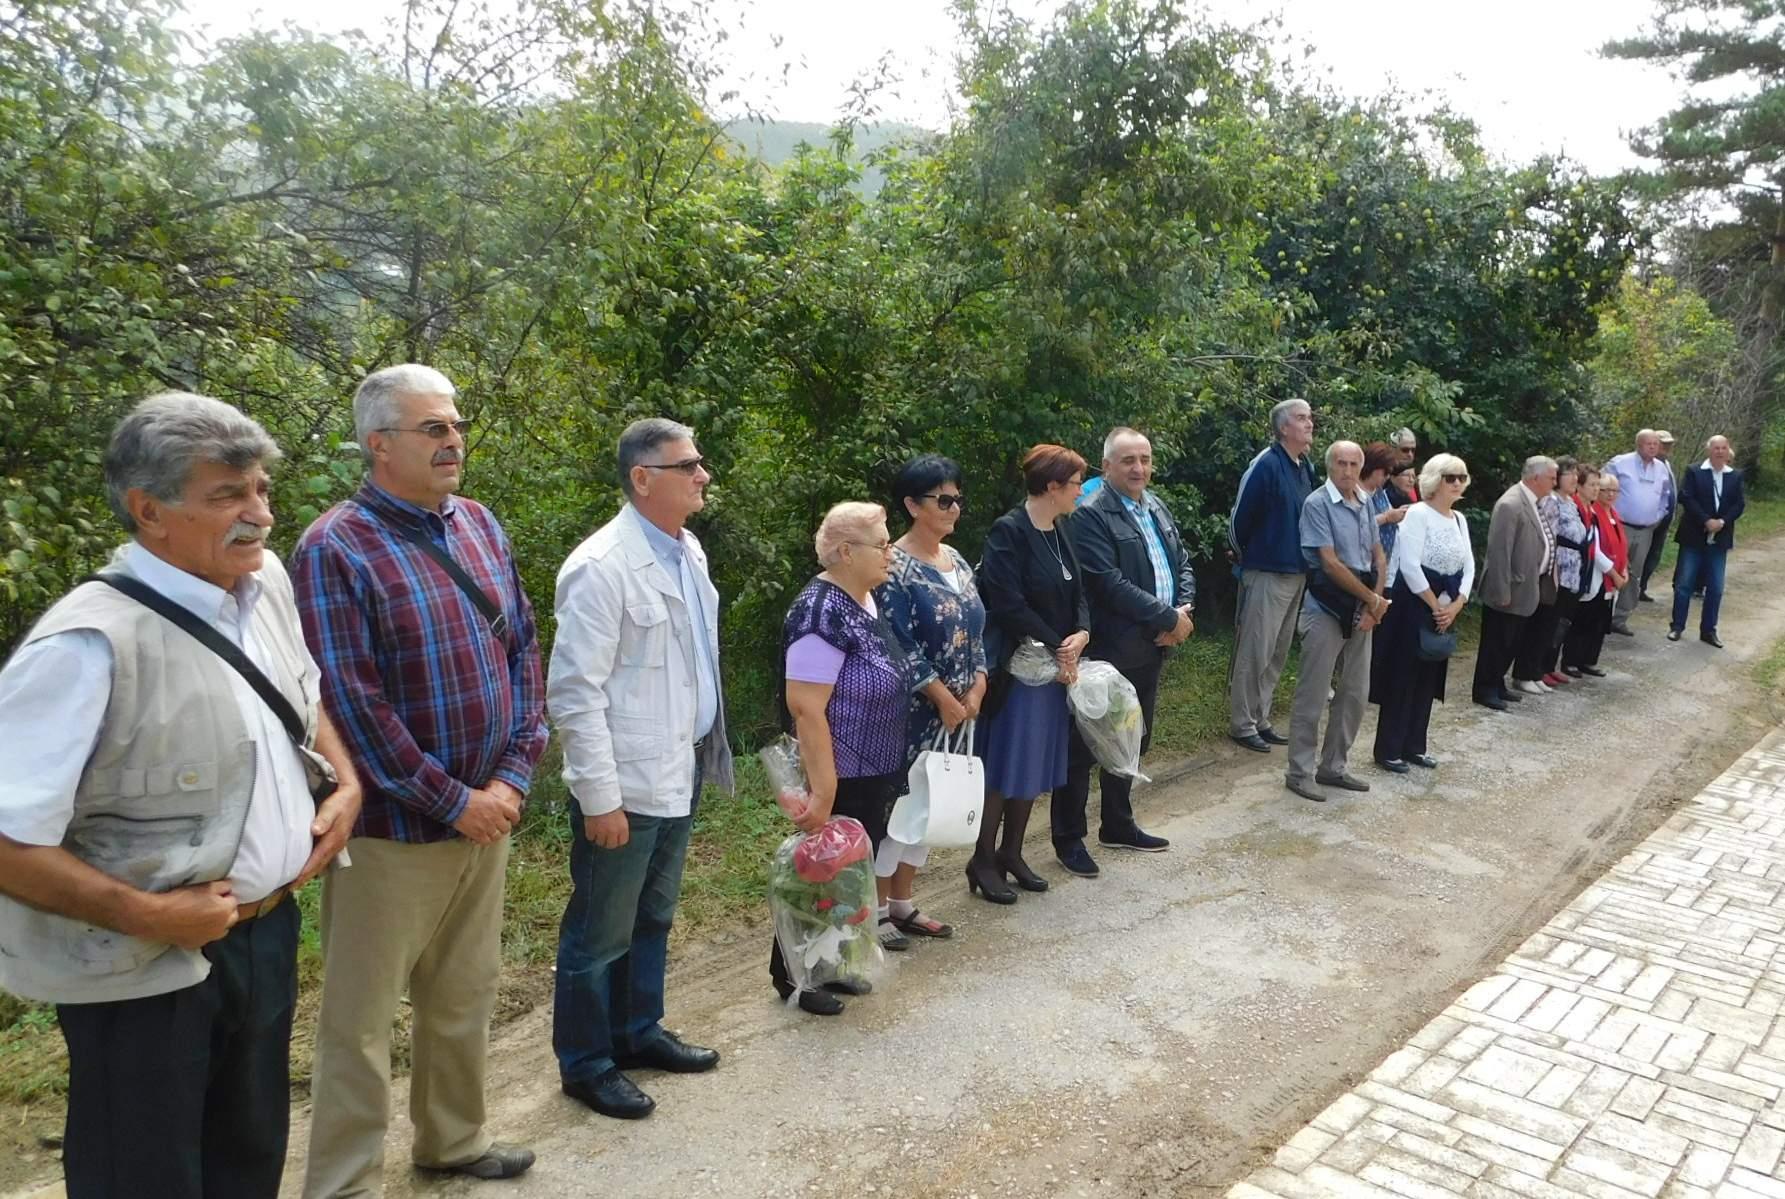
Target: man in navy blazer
1711	500
1142	594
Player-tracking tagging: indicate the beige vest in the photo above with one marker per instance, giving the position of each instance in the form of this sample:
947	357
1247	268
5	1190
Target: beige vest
163	798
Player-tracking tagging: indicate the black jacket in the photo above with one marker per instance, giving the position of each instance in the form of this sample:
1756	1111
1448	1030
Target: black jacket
1126	613
1024	593
1698	503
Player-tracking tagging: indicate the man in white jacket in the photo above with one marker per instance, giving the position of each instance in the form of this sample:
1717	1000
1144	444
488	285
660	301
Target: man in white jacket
634	690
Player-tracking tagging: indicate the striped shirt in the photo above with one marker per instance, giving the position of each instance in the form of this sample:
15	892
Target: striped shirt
1164	582
429	701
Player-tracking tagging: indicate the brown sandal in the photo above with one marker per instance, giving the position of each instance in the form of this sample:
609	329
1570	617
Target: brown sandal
919	925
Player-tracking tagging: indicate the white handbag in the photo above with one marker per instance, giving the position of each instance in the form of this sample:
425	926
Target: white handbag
947	795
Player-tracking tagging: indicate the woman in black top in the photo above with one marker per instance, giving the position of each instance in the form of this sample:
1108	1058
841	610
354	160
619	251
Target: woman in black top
1033	590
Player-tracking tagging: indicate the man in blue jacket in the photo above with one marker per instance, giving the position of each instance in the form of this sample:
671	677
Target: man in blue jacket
1710	501
1265	531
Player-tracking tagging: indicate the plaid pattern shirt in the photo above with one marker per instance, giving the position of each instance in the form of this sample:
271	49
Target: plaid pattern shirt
1164	582
428	700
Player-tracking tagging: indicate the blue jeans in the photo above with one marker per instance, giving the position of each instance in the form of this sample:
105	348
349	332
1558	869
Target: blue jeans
1696	564
613	944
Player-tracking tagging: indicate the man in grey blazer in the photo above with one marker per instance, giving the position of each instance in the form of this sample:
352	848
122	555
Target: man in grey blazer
1518	573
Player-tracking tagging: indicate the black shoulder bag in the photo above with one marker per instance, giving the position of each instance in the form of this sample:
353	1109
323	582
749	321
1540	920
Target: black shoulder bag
498	619
322	783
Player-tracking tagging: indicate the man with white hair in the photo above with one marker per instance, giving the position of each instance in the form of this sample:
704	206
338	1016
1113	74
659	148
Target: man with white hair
1711	501
163	791
1264	530
1645	498
634	689
1518	573
1406	444
1347	572
413	604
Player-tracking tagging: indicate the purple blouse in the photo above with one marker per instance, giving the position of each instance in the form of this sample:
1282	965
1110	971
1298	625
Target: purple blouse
870	698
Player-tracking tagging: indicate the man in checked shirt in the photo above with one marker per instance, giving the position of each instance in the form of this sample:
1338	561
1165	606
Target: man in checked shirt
439	697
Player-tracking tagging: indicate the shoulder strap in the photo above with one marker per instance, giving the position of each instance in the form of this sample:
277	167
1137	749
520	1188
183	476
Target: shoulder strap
212	640
498	620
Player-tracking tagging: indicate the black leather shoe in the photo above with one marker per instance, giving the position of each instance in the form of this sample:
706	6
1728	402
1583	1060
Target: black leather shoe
1393	765
1427	761
1348	782
612	1094
1623	631
1251	741
1491	701
1138	839
849	986
1077	859
669	1052
1673	634
1593	670
1305	790
1511	696
1645	598
1711	639
1573	672
1271	735
498	1161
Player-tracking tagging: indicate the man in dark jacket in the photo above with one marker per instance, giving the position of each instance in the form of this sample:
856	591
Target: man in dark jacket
1265	531
1710	501
1142	592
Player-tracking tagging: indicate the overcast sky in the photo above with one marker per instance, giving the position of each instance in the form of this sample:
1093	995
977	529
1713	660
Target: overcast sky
1527	71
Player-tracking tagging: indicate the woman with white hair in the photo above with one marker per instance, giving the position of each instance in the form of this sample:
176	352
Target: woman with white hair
847	697
1432	571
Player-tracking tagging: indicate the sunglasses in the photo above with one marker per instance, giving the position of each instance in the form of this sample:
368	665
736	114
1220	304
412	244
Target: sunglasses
945	502
1456	478
436	429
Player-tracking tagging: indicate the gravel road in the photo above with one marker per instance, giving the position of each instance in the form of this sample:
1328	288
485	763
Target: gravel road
1157	1030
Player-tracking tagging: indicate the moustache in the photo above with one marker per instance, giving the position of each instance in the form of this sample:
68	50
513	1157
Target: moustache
242	531
448	458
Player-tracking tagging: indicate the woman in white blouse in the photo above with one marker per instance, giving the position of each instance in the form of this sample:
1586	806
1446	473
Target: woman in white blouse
1432	571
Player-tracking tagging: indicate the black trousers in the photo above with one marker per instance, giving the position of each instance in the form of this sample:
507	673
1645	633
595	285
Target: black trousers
1404	716
869	800
187	1095
1499	643
1656	545
1066	809
1535	655
1586	636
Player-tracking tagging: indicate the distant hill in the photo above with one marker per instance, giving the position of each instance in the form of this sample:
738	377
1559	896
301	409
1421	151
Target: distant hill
774	142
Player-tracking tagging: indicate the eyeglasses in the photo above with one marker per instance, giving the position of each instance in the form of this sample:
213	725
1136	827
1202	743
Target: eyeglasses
945	502
687	465
884	547
436	429
1456	478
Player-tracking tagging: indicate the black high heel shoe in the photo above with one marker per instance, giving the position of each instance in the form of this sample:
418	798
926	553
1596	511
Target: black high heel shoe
987	882
1025	878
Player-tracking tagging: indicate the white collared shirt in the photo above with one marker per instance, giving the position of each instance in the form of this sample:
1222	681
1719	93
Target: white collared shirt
1717	473
53	696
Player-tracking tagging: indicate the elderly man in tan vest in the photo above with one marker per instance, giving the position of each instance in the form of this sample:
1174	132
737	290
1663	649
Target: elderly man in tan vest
159	787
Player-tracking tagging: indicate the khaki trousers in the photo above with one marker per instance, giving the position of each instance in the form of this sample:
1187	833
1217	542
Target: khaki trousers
427	918
1266	612
1640	540
1324	650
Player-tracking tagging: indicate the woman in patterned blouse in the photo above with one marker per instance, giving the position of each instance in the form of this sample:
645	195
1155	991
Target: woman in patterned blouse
934	610
847	697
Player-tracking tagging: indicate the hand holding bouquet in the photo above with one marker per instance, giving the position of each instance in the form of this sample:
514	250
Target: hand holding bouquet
821	895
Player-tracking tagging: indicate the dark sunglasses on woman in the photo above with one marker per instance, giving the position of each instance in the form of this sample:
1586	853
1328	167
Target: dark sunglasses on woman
945	502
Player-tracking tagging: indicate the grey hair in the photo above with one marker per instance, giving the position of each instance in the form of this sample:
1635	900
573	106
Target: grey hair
156	445
1718	437
1535	465
375	402
1402	436
643	436
1281	412
1642	433
1115	434
1433	472
845	522
1335	447
1610	476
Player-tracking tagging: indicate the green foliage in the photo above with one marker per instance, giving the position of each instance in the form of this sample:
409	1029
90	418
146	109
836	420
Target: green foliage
1661	363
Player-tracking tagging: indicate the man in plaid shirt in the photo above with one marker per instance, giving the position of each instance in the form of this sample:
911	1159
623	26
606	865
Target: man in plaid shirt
442	708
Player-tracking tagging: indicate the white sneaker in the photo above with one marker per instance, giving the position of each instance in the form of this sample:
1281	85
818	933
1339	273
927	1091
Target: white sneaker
1527	687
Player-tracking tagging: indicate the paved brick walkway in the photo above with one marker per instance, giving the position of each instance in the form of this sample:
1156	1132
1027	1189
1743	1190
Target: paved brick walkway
1633	1047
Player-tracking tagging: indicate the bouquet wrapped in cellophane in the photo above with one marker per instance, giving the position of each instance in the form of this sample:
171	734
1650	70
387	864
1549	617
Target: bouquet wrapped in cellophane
821	886
1107	709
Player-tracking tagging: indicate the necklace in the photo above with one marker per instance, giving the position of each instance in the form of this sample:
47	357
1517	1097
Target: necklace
1065	572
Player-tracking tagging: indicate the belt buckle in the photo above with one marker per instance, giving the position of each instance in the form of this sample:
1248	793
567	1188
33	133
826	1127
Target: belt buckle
499	626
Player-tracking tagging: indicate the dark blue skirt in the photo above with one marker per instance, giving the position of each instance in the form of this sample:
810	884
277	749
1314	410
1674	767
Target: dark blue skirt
1025	741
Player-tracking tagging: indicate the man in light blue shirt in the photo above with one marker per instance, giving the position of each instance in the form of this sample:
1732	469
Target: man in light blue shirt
1645	499
673	557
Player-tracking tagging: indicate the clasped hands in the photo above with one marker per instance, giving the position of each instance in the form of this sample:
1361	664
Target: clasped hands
1180	632
1445	615
1068	654
1373	613
491	812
